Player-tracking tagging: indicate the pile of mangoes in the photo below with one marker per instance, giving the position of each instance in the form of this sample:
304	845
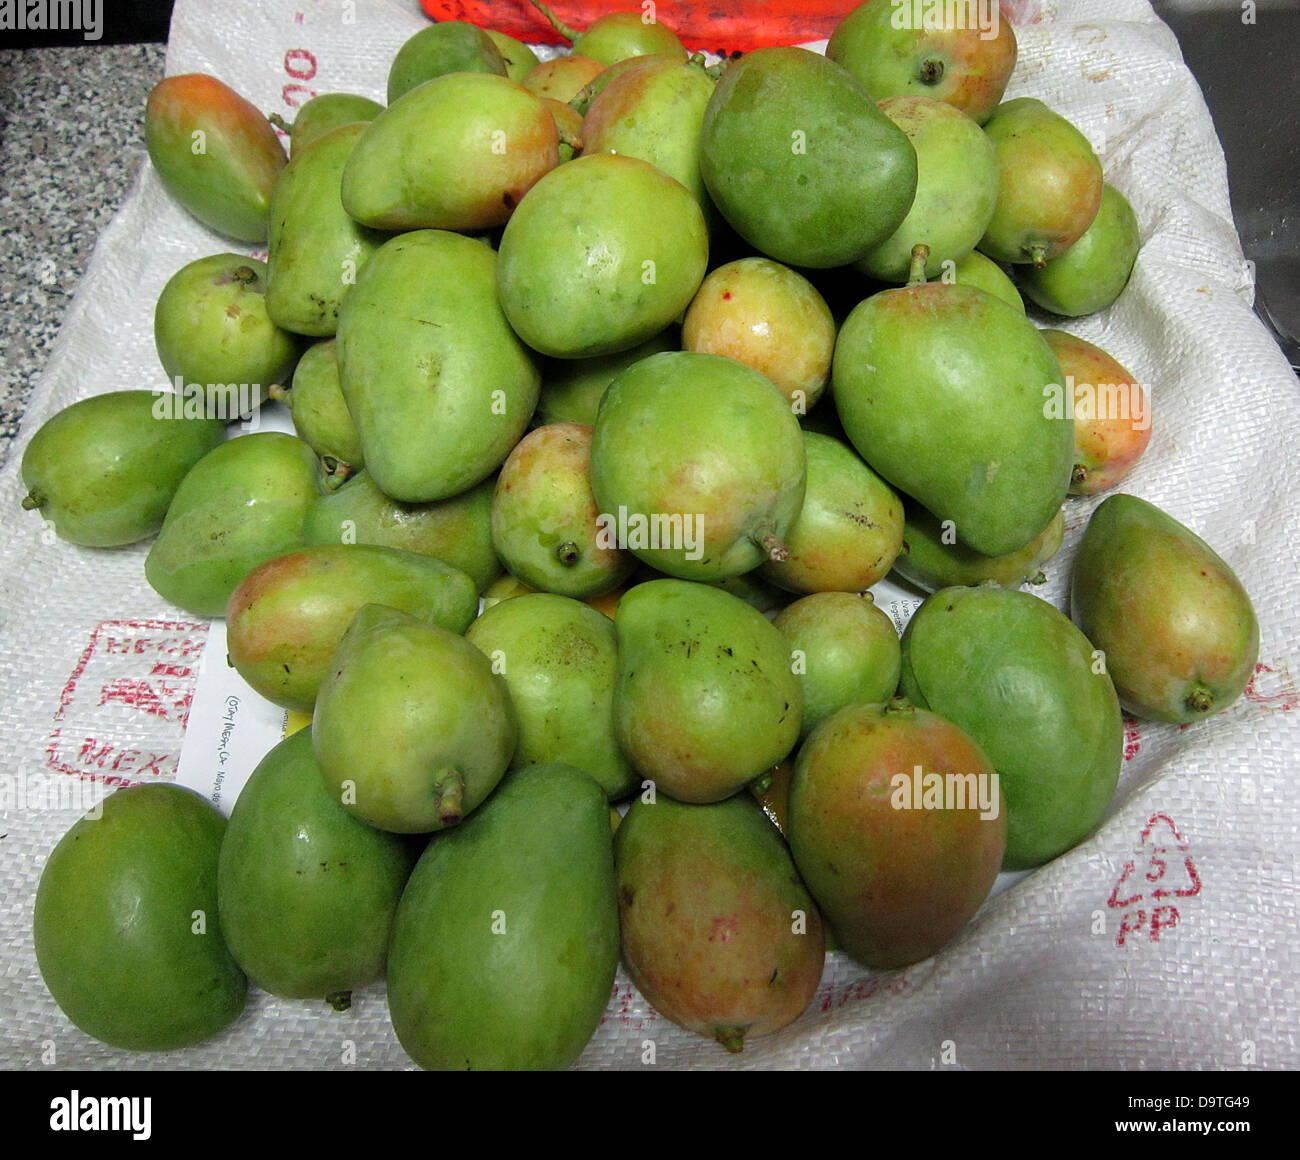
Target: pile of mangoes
557	339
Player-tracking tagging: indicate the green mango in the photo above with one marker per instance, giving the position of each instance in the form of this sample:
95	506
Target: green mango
572	388
215	153
801	162
316	248
243	503
320	413
103	470
1178	630
505	943
849	530
654	111
563	78
1049	183
324	113
451	46
895	49
704	500
447	724
498	137
933	557
458	531
1015	674
1090	275
956	188
896	869
845	649
518	58
706	699
616	36
717	930
984	274
439	387
287	616
544	520
307	892
942	389
215	337
126	922
603	253
559	658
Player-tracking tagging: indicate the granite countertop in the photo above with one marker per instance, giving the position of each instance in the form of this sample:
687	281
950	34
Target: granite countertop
71	145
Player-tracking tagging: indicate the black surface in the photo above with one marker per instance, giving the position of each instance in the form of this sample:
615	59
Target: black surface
115	22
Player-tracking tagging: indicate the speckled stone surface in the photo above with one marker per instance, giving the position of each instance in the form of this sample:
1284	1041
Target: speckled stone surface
71	144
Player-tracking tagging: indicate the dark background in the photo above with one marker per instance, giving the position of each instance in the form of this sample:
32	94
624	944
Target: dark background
122	22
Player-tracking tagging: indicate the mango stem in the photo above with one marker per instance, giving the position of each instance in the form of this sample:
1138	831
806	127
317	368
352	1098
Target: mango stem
916	271
569	34
449	790
732	1038
568	553
1200	700
766	538
32	500
339	1000
280	123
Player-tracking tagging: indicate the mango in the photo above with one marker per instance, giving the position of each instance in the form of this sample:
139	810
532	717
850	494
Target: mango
243	503
706	699
505	944
316	248
321	114
933	557
1015	674
498	137
897	861
518	58
127	927
572	388
704	500
450	46
984	274
439	387
801	162
103	470
616	36
307	892
1178	630
215	153
603	253
919	366
559	658
562	78
287	616
319	411
717	930
544	518
458	531
448	726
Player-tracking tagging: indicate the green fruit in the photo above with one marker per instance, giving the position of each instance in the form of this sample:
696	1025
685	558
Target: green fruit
942	390
316	249
215	153
323	113
545	524
439	387
287	616
103	470
447	725
1090	275
801	162
307	892
1049	183
451	46
702	500
458	531
242	504
572	388
849	529
616	36
956	187
1177	628
985	274
717	931
1015	674
518	58
559	658
126	923
506	940
456	153
215	337
844	648
602	254
896	879
933	557
895	49
320	413
706	699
